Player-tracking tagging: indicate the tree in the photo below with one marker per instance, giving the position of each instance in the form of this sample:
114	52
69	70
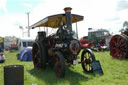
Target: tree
125	25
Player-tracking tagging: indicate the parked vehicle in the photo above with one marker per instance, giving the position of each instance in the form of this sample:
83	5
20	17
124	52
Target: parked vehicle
13	47
24	42
96	38
61	48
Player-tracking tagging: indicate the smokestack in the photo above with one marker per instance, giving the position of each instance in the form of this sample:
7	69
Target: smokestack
68	18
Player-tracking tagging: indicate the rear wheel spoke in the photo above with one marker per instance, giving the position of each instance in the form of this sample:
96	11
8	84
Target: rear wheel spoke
119	46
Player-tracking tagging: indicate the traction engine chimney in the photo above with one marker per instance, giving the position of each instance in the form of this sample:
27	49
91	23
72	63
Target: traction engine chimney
68	18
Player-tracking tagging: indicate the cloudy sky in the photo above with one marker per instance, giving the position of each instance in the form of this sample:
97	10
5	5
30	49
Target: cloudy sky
108	14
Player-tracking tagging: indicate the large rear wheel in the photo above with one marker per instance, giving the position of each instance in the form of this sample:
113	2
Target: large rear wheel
39	55
119	46
87	58
59	66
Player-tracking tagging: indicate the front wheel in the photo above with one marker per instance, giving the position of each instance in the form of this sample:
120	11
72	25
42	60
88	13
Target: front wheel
59	65
87	58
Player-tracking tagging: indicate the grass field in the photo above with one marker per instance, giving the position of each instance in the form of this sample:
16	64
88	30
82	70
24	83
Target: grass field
115	72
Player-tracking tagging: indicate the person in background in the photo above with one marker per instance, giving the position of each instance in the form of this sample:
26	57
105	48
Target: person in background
2	57
1	50
107	41
98	47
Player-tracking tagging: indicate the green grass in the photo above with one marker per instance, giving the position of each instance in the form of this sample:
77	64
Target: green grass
115	72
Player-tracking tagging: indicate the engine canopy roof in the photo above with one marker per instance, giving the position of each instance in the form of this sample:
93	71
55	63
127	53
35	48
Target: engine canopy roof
54	20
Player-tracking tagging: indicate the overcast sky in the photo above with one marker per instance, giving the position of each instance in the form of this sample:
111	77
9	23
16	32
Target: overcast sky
108	14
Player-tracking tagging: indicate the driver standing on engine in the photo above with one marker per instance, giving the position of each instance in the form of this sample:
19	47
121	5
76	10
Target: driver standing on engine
61	32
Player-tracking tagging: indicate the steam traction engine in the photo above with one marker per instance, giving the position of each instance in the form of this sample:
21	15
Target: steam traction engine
119	45
61	48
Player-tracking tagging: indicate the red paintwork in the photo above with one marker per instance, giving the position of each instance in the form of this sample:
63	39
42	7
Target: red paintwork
13	46
84	40
85	45
118	46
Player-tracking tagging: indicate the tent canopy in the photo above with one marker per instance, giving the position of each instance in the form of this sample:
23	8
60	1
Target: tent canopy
26	54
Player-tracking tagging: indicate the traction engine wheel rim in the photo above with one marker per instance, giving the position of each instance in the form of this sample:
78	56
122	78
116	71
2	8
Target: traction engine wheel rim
119	46
39	53
87	58
36	56
59	66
